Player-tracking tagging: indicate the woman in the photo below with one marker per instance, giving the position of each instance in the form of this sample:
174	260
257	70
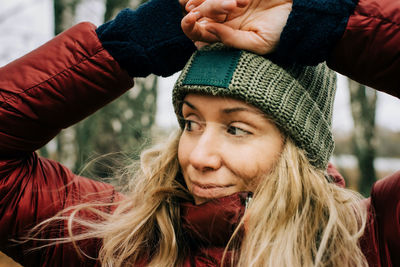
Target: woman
190	201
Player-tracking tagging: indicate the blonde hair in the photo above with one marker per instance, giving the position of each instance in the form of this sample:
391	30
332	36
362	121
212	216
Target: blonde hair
147	220
296	218
143	227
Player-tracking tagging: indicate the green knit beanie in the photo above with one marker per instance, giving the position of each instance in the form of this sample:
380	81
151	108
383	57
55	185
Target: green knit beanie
298	98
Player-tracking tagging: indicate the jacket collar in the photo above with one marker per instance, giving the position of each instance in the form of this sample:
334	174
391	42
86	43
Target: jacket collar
213	223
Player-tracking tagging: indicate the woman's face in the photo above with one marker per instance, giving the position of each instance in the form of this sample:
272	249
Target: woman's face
225	146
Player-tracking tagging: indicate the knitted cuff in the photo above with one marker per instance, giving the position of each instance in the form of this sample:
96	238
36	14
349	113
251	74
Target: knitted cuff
312	30
149	39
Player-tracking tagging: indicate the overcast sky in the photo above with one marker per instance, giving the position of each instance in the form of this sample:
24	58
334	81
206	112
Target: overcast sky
26	24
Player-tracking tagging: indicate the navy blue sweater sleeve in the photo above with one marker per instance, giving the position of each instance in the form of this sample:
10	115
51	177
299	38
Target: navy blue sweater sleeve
149	39
312	30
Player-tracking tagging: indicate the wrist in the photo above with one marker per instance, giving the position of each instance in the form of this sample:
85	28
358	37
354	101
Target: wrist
148	39
312	30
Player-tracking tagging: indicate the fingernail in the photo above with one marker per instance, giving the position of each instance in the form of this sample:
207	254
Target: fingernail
203	22
189	8
197	14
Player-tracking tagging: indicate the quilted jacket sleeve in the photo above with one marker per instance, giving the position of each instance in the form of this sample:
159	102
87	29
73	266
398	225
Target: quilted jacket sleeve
47	90
369	50
385	200
55	86
358	38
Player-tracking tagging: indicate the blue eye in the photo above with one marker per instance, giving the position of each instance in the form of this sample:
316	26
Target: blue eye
237	131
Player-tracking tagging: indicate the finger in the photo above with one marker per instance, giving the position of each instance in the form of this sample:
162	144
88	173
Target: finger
200	45
189	20
245	40
188	24
191	4
214	9
242	3
183	3
196	31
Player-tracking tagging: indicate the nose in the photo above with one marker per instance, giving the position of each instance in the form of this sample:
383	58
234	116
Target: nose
206	155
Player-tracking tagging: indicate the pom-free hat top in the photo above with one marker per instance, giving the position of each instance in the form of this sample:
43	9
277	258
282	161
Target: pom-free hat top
299	99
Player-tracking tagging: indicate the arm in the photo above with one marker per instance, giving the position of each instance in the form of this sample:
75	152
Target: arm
57	85
369	49
74	74
48	89
385	235
360	39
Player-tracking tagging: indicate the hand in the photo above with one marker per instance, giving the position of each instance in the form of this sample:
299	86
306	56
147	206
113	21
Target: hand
253	25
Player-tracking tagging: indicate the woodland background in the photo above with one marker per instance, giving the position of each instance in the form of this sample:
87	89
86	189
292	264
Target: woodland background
103	142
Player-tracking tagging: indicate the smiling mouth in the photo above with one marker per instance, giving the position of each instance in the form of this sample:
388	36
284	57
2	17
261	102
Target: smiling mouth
210	190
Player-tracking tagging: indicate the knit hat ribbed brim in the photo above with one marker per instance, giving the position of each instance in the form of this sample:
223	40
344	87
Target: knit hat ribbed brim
298	98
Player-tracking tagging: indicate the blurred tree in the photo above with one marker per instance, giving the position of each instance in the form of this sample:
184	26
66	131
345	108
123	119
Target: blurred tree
122	126
64	14
114	6
363	106
388	143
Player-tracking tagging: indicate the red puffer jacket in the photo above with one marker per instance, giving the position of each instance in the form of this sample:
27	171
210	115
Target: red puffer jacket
41	93
61	83
358	38
369	50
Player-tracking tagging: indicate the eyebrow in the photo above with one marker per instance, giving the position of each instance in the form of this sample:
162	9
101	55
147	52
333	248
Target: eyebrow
228	110
238	109
189	104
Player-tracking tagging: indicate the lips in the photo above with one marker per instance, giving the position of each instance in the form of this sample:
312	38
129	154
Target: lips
210	190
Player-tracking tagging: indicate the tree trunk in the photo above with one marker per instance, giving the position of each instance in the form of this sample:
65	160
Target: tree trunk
124	126
64	14
113	7
363	106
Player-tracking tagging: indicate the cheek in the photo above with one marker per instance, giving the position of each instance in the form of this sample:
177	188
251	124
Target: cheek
181	151
252	172
256	160
183	159
184	149
245	166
